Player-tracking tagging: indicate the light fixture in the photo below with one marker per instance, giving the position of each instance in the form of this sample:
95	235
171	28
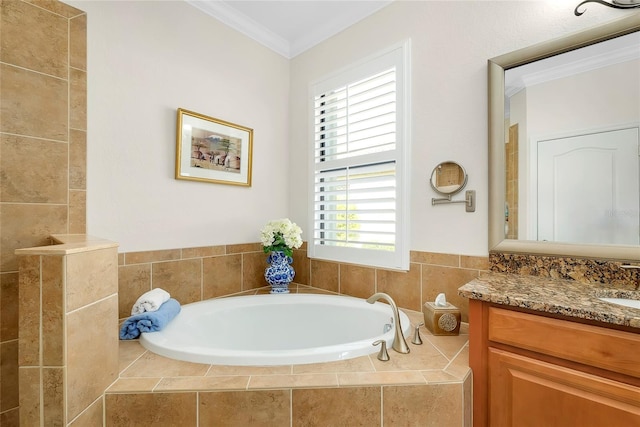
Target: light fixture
616	4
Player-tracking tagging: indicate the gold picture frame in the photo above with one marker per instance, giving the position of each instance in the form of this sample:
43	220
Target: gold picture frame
212	150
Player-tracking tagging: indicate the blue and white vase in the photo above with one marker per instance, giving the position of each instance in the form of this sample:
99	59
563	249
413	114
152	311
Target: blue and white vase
279	273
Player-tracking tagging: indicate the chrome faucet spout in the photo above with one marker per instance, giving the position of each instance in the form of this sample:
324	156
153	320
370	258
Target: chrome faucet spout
399	343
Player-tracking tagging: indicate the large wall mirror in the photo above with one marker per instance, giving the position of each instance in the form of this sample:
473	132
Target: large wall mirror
564	146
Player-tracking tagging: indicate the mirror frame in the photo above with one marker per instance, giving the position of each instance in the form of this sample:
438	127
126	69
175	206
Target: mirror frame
497	179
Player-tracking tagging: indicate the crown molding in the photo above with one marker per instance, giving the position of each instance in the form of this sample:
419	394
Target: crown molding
247	26
330	28
606	59
584	65
242	23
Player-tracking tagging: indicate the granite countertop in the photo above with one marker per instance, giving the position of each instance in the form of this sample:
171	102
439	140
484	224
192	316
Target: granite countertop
563	297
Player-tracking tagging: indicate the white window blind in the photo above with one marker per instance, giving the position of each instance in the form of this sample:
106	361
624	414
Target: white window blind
360	135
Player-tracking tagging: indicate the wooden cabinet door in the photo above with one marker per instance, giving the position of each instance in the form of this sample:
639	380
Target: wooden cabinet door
525	392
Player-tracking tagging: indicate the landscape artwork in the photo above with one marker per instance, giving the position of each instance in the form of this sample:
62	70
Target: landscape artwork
212	150
215	151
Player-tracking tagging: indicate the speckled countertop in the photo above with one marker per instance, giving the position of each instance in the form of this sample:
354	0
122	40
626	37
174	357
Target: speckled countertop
563	297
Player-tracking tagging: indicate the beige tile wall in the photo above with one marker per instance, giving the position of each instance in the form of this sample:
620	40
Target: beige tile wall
42	147
511	156
68	346
194	274
428	405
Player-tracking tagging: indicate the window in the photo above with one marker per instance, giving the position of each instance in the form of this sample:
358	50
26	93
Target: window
359	195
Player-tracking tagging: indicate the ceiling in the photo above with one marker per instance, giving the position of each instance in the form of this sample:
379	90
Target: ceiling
289	27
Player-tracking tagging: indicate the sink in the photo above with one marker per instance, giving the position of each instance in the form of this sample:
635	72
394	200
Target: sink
627	302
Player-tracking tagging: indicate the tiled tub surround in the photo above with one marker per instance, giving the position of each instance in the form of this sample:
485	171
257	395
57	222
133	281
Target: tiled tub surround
195	274
568	298
431	386
67	319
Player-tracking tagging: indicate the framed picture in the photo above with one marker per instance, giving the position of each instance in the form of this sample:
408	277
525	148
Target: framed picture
212	150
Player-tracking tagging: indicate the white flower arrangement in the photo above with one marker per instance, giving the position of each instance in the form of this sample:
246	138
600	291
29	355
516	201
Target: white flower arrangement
281	235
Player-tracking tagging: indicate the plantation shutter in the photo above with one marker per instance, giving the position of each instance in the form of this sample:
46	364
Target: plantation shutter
358	166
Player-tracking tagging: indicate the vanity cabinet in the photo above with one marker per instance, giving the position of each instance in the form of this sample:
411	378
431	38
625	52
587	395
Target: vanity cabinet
533	370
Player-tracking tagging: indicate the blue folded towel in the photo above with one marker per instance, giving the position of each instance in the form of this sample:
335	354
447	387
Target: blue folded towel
149	321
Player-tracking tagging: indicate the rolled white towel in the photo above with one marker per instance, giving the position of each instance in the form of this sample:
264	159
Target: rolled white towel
150	301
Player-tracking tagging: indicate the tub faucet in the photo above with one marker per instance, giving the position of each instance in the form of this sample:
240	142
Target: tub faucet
399	343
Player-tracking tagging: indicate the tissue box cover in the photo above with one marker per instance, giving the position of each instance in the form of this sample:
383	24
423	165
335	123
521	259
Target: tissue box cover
441	320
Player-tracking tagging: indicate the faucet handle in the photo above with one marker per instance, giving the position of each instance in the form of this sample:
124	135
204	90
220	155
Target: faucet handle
416	336
383	354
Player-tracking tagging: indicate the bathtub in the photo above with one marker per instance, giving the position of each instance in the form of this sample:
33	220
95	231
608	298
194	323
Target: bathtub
287	329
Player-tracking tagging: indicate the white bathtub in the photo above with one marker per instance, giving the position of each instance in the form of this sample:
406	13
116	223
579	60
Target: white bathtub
283	329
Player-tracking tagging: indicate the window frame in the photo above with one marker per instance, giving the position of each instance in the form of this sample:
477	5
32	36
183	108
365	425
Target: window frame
397	55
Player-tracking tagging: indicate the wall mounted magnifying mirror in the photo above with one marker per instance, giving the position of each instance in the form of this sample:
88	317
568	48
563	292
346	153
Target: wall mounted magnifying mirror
564	138
449	178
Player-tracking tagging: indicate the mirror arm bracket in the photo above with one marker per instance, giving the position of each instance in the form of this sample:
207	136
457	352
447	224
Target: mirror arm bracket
469	200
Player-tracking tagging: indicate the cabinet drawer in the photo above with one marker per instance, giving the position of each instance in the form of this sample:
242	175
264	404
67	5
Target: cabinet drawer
604	348
528	392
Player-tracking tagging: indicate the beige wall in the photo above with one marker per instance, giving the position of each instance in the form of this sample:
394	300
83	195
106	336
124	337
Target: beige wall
451	42
42	150
598	100
147	59
142	70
